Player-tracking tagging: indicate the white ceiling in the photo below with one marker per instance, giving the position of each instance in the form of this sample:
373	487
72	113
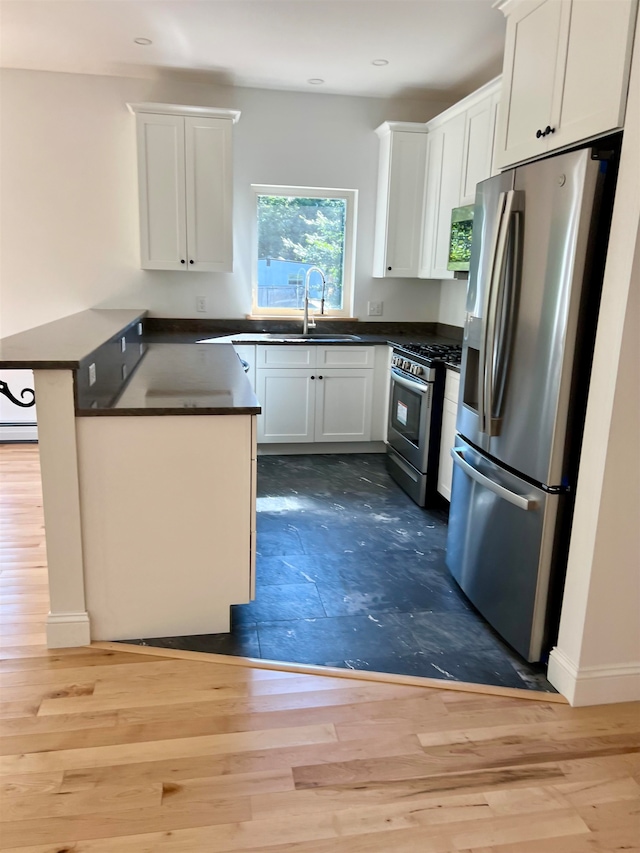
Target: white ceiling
433	46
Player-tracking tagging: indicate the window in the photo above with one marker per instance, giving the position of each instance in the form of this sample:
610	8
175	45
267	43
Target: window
299	228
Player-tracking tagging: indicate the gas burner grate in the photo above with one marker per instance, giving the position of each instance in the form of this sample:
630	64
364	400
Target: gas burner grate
451	353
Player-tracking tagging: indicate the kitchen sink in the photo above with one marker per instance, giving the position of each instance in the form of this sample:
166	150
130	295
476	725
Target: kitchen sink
283	336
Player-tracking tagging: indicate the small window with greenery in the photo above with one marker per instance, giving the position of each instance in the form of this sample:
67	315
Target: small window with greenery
299	228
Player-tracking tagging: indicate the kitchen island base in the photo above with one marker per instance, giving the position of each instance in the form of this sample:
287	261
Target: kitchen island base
167	514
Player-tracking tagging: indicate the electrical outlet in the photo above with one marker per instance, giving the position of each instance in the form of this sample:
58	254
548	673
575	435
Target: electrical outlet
201	304
375	309
92	374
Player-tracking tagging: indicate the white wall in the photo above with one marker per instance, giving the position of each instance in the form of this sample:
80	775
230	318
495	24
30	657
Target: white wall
453	299
69	203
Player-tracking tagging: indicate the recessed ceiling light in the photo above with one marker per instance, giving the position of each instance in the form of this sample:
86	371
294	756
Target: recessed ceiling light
143	41
380	62
315	81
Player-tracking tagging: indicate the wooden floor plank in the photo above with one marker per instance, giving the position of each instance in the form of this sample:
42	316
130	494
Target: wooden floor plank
177	747
114	749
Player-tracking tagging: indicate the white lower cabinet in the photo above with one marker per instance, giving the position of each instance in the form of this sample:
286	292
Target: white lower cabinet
343	405
310	402
288	400
448	436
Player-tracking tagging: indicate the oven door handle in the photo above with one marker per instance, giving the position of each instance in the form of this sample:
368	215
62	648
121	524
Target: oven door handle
419	387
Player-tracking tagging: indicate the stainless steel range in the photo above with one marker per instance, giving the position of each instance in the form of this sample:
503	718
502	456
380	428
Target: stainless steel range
415	416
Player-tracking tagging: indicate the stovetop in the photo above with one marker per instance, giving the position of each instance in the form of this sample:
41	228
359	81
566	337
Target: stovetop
429	354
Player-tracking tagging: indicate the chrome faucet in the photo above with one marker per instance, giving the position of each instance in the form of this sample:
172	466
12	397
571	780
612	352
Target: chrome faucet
309	322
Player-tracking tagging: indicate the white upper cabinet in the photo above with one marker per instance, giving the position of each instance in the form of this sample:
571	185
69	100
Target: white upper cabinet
479	132
185	185
442	193
161	187
399	203
459	156
425	171
566	70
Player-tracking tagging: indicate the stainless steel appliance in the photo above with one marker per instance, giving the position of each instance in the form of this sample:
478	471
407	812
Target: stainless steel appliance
460	238
539	242
415	416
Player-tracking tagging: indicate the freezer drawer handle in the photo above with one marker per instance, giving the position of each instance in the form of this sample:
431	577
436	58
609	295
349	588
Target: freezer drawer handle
517	500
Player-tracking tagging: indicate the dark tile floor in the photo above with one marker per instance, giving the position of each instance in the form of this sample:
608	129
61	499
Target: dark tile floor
351	573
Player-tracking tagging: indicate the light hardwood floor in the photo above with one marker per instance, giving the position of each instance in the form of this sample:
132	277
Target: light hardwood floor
110	751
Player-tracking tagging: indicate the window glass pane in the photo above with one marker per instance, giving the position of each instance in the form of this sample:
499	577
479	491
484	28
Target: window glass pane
294	234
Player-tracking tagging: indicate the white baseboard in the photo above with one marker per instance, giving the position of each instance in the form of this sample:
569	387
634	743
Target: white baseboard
322	447
68	629
594	685
18	432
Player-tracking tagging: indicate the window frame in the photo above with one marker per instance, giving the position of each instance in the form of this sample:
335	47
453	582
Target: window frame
351	198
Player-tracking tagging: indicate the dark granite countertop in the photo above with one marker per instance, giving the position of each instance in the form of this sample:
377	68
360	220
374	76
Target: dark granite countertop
163	330
180	379
64	343
163	372
355	340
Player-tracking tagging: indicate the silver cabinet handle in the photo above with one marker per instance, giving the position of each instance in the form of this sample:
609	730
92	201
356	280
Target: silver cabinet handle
507	495
419	387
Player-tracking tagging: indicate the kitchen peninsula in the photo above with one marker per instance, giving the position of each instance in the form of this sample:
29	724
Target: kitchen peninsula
148	455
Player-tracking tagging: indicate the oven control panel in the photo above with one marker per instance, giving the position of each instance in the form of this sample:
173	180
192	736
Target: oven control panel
407	366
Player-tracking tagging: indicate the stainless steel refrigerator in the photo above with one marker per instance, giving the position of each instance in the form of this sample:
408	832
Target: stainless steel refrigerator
539	241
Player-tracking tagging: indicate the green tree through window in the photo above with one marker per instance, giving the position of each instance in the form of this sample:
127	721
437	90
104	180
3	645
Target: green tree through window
303	231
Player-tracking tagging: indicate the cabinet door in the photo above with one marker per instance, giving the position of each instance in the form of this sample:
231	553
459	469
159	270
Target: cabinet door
209	193
535	50
447	440
343	405
400	253
478	148
495	113
288	400
161	187
442	193
596	72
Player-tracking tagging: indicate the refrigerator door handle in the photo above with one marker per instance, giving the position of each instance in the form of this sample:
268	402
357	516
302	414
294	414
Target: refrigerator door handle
511	497
496	285
482	384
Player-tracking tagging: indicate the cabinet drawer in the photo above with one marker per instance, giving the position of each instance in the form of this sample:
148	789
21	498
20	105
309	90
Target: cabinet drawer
452	386
345	356
286	356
